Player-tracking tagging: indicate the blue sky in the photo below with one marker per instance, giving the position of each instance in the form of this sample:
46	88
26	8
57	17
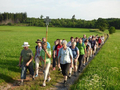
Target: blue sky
83	9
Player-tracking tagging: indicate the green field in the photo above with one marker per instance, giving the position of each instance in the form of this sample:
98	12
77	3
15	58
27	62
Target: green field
103	73
12	38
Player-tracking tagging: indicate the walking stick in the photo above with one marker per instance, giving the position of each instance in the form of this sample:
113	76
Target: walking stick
47	20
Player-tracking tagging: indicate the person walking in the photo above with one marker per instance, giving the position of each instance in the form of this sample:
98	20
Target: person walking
55	56
82	50
75	52
57	48
93	43
65	60
46	62
71	40
38	48
48	44
27	56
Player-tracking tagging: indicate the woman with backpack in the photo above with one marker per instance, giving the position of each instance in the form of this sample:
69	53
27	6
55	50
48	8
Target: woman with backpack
75	52
38	48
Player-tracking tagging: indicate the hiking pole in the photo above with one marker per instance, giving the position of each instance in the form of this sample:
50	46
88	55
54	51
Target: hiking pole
47	20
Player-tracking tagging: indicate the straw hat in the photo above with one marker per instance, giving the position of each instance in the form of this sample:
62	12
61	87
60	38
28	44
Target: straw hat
25	44
38	41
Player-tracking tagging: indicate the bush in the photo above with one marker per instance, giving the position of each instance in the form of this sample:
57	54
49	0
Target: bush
9	24
112	30
102	28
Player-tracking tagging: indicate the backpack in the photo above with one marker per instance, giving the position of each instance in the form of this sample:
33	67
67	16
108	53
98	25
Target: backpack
75	48
36	47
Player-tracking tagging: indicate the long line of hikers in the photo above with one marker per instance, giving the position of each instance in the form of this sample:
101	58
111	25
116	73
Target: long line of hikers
65	56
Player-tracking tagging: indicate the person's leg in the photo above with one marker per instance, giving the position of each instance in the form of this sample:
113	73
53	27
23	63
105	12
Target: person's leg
92	51
81	59
23	74
62	68
37	66
46	73
79	63
31	70
53	62
57	63
70	72
87	56
75	68
66	68
84	60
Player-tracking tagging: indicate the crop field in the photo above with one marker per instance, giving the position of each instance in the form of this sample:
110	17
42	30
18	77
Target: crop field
105	67
103	73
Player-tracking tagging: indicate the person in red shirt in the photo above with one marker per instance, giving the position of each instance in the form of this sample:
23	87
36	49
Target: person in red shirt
57	48
99	41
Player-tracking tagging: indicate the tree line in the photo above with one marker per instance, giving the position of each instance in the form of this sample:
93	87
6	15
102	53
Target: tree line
100	23
16	17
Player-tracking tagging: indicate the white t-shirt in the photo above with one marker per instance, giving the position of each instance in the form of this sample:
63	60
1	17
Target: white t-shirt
69	44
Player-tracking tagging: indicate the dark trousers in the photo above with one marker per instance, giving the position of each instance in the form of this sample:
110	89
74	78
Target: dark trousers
54	61
65	68
80	59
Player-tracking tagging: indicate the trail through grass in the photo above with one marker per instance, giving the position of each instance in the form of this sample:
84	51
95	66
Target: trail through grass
103	73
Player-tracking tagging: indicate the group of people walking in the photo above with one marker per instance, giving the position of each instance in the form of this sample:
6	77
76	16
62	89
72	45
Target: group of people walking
65	56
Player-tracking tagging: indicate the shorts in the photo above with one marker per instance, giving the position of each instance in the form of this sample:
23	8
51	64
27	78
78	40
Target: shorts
74	63
93	48
99	44
65	68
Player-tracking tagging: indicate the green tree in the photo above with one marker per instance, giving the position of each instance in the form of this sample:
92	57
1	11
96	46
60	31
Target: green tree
112	30
101	24
73	19
1	17
41	17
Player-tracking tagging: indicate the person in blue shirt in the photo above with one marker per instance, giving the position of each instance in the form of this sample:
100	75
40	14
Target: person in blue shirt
75	52
65	60
48	44
84	38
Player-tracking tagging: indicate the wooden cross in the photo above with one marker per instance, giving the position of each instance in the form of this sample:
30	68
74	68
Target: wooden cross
47	20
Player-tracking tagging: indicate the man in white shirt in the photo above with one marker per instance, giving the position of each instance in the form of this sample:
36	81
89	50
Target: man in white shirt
71	40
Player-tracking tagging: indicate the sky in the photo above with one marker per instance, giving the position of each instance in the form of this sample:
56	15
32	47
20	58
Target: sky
82	9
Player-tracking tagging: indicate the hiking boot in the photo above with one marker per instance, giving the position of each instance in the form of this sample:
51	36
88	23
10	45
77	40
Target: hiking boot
48	79
75	73
60	70
69	75
65	83
79	71
44	84
36	75
33	78
21	84
84	64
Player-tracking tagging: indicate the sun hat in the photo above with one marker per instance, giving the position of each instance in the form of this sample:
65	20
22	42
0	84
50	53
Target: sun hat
38	41
25	44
